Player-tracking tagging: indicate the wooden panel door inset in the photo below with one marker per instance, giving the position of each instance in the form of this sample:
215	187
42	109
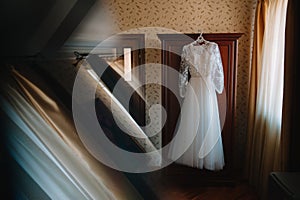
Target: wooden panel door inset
172	47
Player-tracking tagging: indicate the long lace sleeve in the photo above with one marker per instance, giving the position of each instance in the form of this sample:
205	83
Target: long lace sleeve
183	74
218	75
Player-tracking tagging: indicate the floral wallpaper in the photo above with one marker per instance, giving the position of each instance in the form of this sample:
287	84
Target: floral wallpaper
151	17
192	16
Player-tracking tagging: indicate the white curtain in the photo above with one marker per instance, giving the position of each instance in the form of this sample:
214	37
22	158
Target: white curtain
270	89
266	94
46	157
43	140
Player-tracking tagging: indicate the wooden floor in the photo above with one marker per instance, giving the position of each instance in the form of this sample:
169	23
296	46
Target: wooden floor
177	190
173	192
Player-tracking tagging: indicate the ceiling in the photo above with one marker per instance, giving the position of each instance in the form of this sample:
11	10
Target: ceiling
39	27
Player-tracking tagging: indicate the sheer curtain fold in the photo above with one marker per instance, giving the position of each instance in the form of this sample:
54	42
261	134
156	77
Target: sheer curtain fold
30	151
46	125
34	158
266	93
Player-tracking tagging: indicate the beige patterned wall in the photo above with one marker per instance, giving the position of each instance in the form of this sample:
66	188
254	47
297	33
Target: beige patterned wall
188	16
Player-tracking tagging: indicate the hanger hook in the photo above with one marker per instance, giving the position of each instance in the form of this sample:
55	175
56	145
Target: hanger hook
200	31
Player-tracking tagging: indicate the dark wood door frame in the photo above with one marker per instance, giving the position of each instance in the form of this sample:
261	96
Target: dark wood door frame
171	49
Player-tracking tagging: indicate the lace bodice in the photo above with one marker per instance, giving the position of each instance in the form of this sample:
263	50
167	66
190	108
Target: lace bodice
201	60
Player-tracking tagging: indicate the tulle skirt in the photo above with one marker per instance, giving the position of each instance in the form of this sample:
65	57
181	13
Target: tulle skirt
197	141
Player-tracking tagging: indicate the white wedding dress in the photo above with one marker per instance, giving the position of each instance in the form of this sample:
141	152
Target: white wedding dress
199	123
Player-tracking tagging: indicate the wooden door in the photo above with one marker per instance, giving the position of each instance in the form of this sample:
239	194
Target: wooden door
136	42
172	46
